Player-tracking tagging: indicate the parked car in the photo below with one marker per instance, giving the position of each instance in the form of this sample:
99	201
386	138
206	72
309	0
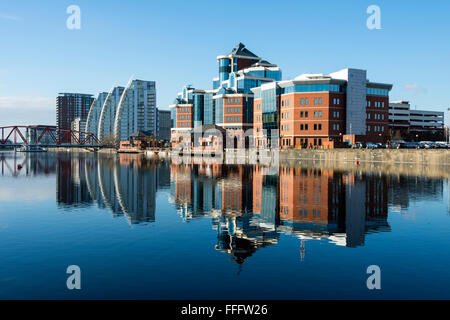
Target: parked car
370	145
358	145
425	145
412	145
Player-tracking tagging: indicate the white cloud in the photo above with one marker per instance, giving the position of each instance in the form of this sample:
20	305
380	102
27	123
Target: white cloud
27	103
414	88
5	16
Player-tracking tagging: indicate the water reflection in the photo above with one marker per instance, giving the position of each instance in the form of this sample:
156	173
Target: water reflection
248	208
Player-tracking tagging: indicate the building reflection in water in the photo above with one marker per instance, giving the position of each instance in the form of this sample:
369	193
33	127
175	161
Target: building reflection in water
249	208
126	184
31	164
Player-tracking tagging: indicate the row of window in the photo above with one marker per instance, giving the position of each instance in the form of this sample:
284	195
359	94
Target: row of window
184	124
305	101
336	126
376	116
184	109
285	103
235	100
233	110
303	142
236	119
302	127
317	114
377	104
376	128
184	117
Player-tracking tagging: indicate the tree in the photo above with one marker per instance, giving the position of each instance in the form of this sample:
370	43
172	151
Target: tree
108	140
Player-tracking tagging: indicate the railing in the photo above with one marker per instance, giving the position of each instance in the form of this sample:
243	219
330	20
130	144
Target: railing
45	135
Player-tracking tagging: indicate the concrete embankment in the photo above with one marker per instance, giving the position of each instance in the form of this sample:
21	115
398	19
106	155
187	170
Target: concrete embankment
431	163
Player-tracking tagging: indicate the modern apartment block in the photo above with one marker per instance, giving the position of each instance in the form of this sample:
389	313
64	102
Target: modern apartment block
415	125
164	124
321	111
229	104
70	106
136	110
93	117
105	128
78	126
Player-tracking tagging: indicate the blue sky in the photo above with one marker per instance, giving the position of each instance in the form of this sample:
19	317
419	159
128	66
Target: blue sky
176	43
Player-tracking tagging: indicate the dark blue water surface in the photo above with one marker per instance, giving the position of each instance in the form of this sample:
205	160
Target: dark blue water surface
152	229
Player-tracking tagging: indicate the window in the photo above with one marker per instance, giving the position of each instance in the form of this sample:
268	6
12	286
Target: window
306	128
320	100
315	127
302	101
306	101
306	114
315	100
301	114
315	114
320	126
320	114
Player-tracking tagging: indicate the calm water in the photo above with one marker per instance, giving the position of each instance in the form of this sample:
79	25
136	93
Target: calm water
145	229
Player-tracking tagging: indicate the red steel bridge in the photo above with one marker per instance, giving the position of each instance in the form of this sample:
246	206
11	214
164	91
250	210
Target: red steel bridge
46	136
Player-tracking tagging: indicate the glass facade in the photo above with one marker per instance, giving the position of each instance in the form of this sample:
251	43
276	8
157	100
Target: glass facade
378	92
216	84
224	69
314	88
269	109
248	110
219	110
136	110
93	118
198	109
208	109
108	114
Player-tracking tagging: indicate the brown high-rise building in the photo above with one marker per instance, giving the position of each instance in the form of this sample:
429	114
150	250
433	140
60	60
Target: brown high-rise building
70	106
